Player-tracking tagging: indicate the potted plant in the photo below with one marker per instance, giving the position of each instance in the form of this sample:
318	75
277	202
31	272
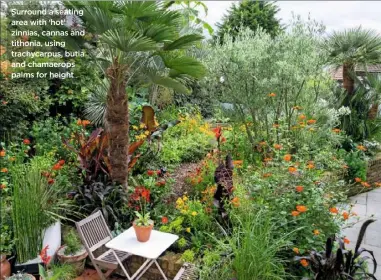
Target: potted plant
73	252
6	245
143	224
21	276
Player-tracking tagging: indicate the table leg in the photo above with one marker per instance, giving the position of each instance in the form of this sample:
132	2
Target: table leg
161	271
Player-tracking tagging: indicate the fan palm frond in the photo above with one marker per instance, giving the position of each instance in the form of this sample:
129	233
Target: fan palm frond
95	107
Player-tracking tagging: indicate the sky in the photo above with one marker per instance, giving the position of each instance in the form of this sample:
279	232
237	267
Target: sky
335	15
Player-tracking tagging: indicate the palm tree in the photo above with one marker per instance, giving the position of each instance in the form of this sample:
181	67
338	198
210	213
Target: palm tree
351	48
374	83
133	40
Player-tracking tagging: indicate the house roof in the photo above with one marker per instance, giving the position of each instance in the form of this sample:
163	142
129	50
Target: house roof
337	74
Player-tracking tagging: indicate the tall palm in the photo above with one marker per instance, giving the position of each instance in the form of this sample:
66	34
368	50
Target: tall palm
374	83
134	39
351	48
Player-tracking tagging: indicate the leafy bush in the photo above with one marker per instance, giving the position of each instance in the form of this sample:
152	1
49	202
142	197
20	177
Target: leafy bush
72	242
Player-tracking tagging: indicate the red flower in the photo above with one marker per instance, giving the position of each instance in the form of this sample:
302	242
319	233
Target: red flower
57	166
217	132
44	255
51	181
26	141
150	172
61	162
299	188
146	194
164	220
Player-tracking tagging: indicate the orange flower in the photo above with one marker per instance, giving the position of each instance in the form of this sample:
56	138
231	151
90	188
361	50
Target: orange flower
238	163
292	169
345	215
4	170
299	188
361	148
287	157
61	162
295	213
304	262
301	208
2	153
272	94
334	210
277	146
358	180
164	220
26	141
346	240
235	201
3	186
296	250
377	184
79	122
85	122
57	166
365	184
336	130
302	117
266	175
316	232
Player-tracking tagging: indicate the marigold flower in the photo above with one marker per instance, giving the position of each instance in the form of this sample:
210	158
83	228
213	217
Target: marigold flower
311	121
296	250
302	117
304	262
295	213
4	170
346	240
26	141
333	210
365	184
299	188
345	215
2	153
164	220
301	208
316	232
361	148
292	169
287	157
57	166
266	175
235	201
277	146
272	94
194	213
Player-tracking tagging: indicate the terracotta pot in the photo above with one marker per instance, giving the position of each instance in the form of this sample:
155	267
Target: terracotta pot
143	233
77	260
5	267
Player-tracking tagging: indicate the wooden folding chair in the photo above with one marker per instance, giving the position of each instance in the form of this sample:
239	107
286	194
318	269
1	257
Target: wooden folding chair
94	234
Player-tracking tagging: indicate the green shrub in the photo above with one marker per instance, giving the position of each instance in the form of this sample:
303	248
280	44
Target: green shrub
72	242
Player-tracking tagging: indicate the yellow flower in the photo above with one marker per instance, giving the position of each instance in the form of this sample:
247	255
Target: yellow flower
142	125
188	229
179	201
194	213
146	132
184	212
134	127
185	198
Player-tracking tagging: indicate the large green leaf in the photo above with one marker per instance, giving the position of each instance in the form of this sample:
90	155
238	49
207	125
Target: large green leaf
169	82
128	41
185	65
183	42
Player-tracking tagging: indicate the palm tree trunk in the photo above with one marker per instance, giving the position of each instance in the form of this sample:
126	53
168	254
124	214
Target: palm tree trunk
117	123
348	80
373	112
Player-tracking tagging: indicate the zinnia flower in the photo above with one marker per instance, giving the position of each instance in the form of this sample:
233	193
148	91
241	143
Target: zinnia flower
295	213
277	146
334	210
299	188
164	220
304	262
311	122
301	117
301	208
57	166
26	141
287	157
292	169
345	215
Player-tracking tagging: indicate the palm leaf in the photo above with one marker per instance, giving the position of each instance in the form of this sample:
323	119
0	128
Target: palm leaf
169	82
183	42
128	41
184	65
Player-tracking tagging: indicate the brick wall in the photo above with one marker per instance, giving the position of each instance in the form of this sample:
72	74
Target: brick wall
374	171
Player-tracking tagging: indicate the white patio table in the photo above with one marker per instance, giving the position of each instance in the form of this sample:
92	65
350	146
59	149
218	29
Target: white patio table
150	250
